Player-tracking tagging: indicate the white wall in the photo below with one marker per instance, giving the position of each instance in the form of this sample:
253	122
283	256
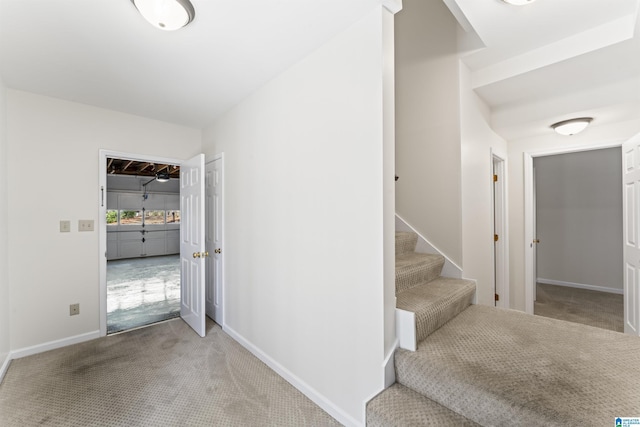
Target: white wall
49	269
4	266
428	124
478	141
594	136
579	218
304	240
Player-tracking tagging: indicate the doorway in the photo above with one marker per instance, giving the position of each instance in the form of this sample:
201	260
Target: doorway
576	226
131	246
143	243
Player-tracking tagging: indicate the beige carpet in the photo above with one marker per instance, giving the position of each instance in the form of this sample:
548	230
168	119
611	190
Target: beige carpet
501	367
162	375
600	309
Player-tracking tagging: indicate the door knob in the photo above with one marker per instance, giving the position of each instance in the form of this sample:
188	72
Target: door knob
205	254
196	254
218	251
536	240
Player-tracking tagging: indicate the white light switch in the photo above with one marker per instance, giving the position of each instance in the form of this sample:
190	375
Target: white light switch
65	226
85	225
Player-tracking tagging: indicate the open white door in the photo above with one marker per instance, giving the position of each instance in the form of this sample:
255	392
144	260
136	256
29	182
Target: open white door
214	287
631	221
192	243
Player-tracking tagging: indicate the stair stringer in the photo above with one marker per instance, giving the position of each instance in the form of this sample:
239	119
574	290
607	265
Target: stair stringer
450	268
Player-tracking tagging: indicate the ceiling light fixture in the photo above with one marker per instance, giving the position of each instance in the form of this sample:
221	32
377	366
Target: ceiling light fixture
167	15
162	176
572	126
518	2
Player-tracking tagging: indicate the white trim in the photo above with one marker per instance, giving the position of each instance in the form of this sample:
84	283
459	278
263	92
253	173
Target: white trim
102	221
529	271
5	367
52	345
295	381
389	365
406	329
393	6
450	268
529	268
581	286
501	250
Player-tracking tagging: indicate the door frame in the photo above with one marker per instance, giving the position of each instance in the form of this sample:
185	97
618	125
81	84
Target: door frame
529	214
500	221
222	285
102	219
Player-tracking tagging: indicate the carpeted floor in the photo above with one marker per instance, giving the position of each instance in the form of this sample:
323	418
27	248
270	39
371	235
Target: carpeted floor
161	375
599	309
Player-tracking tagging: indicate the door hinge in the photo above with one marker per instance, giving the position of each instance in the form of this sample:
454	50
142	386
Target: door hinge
497	297
495	178
495	237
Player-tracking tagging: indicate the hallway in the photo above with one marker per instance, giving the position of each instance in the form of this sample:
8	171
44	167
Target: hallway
141	291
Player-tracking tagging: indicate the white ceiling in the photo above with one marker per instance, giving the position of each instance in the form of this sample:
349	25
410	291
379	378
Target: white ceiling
552	60
533	65
103	53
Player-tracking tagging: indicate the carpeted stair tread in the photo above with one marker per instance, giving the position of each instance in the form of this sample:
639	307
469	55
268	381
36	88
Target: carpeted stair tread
414	268
503	367
400	406
436	302
405	242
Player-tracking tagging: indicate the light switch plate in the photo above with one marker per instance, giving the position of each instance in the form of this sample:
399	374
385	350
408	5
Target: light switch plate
65	226
85	225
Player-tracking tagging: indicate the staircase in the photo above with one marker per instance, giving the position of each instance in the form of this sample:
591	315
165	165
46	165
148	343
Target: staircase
477	365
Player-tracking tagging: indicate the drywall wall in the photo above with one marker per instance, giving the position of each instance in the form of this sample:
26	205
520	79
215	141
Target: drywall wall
594	137
59	142
304	226
4	265
579	218
428	124
478	142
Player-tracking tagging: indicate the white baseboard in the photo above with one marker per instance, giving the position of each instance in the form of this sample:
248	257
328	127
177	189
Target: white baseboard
5	366
580	286
295	381
52	345
450	268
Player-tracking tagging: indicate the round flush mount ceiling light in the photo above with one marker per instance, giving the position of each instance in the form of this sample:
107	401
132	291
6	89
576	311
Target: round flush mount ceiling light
518	2
572	126
166	15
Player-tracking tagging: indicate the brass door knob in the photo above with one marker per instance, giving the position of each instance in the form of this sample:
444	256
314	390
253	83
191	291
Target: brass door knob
196	254
218	251
205	254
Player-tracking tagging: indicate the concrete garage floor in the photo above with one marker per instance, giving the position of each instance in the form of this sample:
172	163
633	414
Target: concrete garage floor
141	291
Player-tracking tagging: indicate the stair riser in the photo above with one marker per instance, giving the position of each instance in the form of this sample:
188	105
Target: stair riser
412	275
405	242
427	323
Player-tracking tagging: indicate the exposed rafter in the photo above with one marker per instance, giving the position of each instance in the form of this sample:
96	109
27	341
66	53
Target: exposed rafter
134	168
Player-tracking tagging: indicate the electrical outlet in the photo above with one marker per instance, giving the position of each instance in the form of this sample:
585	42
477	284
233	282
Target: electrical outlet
74	309
65	226
85	225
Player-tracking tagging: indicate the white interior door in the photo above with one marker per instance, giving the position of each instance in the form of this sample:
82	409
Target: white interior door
535	240
214	287
631	221
192	243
